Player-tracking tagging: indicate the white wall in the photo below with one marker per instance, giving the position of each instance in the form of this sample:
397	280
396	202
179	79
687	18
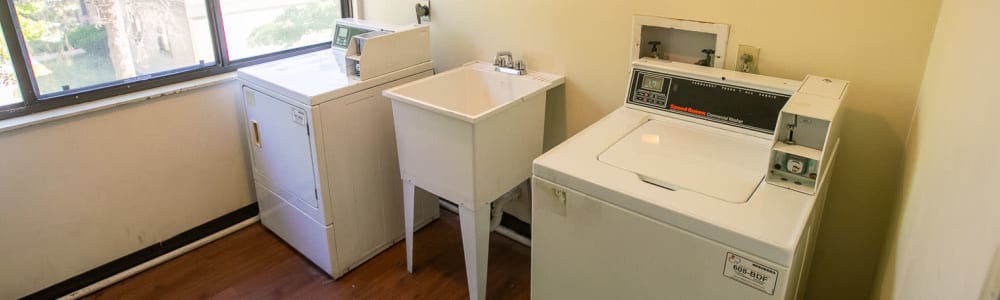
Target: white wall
880	46
949	210
80	192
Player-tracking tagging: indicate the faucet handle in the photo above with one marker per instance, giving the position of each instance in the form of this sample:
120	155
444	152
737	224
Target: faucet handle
504	62
503	59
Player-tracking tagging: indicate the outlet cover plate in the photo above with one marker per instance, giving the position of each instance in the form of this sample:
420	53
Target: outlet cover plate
750	66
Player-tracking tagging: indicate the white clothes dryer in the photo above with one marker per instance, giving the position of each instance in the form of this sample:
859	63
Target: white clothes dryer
323	147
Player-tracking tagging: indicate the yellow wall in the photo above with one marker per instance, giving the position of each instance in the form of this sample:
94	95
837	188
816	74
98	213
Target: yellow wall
949	217
80	192
881	46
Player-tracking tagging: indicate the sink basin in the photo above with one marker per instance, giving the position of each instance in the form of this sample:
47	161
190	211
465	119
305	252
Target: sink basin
473	92
470	134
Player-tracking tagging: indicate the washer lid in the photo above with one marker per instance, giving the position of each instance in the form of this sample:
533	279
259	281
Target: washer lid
683	156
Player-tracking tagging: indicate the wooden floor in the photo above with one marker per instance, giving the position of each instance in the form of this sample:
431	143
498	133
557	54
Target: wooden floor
253	263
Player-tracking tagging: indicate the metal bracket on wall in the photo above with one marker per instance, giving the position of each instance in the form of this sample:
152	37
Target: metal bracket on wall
423	9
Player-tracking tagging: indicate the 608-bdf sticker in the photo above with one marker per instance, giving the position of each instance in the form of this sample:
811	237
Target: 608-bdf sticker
751	273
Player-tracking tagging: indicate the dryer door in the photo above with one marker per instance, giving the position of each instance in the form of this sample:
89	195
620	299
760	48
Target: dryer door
281	149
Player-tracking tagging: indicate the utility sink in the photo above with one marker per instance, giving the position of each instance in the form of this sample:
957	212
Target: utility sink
470	134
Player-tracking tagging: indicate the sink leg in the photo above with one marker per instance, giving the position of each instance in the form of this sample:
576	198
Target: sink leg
476	243
408	190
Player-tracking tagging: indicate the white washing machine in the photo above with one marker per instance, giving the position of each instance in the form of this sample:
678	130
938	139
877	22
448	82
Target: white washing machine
665	198
324	148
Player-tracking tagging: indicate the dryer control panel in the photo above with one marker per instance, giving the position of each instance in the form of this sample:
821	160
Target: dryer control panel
344	33
727	104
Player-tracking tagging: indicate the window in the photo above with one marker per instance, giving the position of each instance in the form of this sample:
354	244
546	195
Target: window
255	27
76	44
10	90
72	51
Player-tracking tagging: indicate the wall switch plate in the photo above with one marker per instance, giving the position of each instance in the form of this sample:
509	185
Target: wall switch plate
747	59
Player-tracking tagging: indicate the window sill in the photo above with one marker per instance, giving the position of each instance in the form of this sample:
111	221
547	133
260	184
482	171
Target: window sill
84	108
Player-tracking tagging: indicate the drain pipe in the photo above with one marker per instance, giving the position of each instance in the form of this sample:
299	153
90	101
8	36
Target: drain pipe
496	210
496	214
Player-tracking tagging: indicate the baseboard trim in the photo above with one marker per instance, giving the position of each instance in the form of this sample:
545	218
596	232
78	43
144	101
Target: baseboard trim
77	286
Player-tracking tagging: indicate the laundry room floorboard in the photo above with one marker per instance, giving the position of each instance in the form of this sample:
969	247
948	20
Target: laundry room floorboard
253	263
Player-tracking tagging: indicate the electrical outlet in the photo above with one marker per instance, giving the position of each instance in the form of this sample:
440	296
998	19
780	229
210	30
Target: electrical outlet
747	59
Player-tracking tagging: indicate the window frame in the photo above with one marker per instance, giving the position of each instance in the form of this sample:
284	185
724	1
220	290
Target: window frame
34	102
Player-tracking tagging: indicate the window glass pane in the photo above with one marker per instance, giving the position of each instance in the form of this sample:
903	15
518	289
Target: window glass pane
255	27
79	43
10	91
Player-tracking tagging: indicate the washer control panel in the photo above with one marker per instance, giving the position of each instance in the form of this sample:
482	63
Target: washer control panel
652	90
718	102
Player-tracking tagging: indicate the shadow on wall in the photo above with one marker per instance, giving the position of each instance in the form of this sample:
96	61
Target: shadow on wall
555	117
241	118
885	277
856	218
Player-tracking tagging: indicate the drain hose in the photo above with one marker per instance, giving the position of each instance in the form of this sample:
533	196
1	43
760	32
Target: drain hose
496	214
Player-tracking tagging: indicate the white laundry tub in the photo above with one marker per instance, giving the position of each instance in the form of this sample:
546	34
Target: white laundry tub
470	134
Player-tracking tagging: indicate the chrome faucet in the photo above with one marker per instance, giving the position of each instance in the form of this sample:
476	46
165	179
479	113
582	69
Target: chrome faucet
504	63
